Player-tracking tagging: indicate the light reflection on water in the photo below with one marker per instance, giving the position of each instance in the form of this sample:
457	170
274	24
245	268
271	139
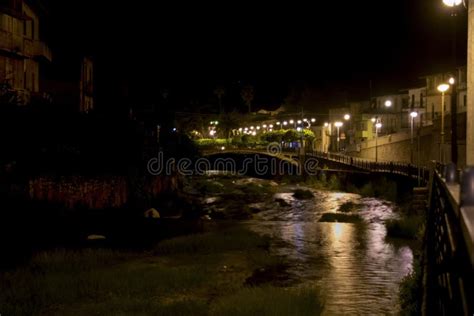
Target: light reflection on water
356	270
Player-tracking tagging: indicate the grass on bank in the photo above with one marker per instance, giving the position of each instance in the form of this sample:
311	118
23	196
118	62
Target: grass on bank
270	301
191	275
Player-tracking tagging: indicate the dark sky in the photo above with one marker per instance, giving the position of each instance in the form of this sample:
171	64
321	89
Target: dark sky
192	47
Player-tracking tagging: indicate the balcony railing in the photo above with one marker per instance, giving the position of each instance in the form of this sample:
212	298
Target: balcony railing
19	45
11	43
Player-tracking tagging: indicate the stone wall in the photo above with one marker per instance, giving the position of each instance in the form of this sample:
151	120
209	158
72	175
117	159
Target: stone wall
94	192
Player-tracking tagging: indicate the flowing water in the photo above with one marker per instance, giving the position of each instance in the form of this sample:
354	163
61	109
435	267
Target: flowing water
356	269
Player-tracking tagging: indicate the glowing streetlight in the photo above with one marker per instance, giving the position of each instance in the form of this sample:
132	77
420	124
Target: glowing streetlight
452	3
258	127
373	119
251	127
347	117
254	133
313	120
285	123
326	124
299	122
305	120
442	88
264	125
291	121
413	115
388	103
299	129
452	81
338	125
271	125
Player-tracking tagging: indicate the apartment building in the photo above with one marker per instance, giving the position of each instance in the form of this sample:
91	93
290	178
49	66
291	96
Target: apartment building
22	53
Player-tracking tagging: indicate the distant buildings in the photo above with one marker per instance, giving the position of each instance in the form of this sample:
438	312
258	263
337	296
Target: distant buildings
22	53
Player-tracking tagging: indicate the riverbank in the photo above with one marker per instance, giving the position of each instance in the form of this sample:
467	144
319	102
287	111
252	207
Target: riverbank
264	247
228	271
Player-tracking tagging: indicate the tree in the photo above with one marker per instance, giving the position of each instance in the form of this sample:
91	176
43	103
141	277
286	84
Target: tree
220	92
247	94
229	122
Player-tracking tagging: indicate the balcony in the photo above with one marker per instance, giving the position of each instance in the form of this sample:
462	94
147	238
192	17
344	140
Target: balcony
11	43
37	49
24	47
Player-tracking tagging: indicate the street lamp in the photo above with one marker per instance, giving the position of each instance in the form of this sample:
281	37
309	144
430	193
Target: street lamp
442	88
413	115
452	3
285	123
313	120
378	125
338	125
347	117
326	124
388	103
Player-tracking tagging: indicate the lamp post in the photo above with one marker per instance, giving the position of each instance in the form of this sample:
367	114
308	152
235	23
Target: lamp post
413	115
442	88
338	125
454	5
378	125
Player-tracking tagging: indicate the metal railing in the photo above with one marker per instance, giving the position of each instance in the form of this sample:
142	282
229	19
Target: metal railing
449	259
418	172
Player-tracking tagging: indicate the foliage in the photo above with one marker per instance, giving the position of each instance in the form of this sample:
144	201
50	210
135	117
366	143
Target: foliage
410	291
408	226
301	194
348	207
210	143
287	135
274	136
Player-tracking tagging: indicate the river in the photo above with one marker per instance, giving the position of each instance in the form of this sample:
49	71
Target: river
356	269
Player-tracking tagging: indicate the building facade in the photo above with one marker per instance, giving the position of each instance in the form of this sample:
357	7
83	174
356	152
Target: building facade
434	97
22	53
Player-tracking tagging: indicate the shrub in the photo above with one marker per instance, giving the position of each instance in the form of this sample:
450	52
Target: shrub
410	291
407	227
348	207
301	194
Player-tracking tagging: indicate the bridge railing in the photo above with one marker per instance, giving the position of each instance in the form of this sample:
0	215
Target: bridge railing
449	251
419	172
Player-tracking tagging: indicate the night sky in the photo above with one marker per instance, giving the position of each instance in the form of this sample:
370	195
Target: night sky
189	48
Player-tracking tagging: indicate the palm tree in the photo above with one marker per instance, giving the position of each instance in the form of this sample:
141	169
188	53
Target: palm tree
220	92
247	94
